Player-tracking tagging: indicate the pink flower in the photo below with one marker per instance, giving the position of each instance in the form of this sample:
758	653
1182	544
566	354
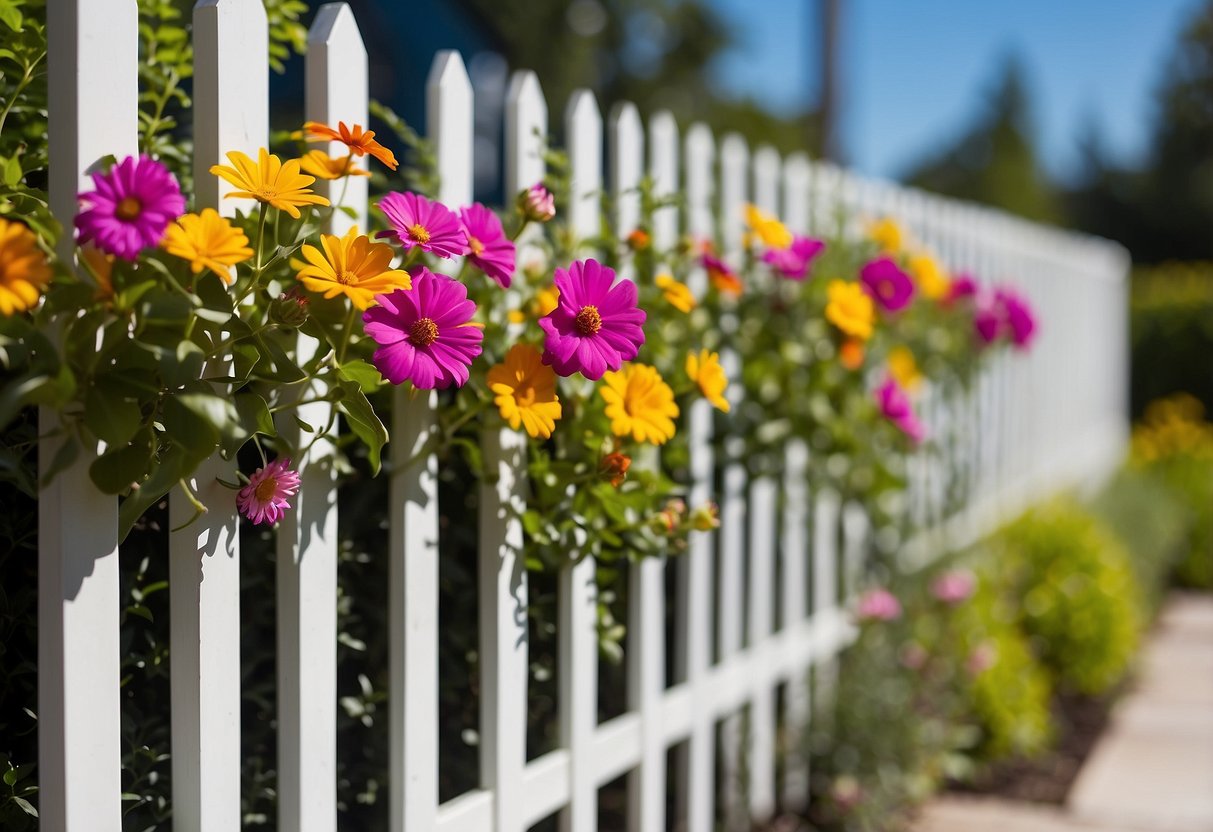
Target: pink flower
488	248
889	286
723	278
595	327
1018	316
982	658
537	203
878	605
954	586
265	498
895	406
424	334
416	221
130	207
987	322
794	261
963	286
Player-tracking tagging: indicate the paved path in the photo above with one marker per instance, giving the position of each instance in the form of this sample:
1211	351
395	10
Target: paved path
1152	770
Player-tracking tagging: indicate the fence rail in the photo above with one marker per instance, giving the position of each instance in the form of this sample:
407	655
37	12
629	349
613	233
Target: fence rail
1053	419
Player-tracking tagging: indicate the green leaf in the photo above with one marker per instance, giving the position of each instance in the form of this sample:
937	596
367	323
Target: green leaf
12	171
363	421
173	465
190	423
26	806
109	414
116	470
11	15
361	373
181	366
252	415
63	458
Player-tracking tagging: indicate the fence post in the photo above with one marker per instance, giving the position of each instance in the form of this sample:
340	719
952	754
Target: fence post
578	594
92	89
231	106
794	555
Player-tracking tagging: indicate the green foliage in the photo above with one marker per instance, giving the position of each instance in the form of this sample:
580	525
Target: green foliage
1171	331
1080	601
1008	690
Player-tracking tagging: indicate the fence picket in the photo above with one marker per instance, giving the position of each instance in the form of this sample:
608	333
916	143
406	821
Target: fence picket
694	626
503	578
663	169
92	90
797	206
767	166
336	90
626	151
763	523
794	555
231	107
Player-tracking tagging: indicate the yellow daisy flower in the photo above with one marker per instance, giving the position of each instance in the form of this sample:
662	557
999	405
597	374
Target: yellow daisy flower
767	228
323	166
887	234
207	241
640	403
903	368
929	276
704	369
675	293
352	266
524	390
269	180
24	270
850	309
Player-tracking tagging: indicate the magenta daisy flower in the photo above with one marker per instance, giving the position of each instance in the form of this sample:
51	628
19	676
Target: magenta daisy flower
889	286
266	497
416	221
130	207
424	333
595	327
793	262
962	286
895	406
1018	316
488	248
987	321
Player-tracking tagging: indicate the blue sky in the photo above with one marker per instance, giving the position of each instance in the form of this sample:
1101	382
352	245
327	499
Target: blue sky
914	71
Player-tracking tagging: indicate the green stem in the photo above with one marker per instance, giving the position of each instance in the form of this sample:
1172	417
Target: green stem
346	333
260	240
21	85
300	403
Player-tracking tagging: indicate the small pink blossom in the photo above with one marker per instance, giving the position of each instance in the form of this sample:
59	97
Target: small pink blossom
488	248
793	262
537	203
954	586
878	605
130	207
889	286
429	225
596	326
895	406
266	497
962	287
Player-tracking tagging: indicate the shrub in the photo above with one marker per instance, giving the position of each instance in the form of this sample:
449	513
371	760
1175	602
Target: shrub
1080	602
1171	331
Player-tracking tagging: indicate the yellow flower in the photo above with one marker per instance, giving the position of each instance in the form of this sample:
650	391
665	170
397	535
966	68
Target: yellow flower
640	403
524	390
207	241
323	166
771	231
352	266
887	234
903	368
546	300
269	180
850	309
704	369
675	293
929	276
24	271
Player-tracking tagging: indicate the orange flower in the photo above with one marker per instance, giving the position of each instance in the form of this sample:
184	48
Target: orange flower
360	142
639	239
614	468
323	166
850	354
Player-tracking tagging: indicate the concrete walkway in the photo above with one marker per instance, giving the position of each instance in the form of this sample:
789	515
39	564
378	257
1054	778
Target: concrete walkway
1152	770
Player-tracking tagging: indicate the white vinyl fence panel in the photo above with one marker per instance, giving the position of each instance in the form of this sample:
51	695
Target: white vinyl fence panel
1028	427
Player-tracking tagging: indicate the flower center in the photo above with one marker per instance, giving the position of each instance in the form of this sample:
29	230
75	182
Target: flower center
588	321
886	289
128	209
423	332
525	396
266	489
347	278
476	246
419	233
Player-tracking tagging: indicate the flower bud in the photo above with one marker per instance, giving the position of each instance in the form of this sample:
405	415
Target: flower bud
639	240
614	468
289	309
537	203
705	517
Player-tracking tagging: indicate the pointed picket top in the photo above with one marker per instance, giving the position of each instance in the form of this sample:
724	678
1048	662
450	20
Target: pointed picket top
700	149
734	162
766	178
231	93
627	165
448	113
663	168
337	91
583	136
796	200
526	129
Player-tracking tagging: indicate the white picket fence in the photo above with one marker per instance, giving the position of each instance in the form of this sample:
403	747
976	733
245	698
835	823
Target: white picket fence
1036	423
